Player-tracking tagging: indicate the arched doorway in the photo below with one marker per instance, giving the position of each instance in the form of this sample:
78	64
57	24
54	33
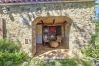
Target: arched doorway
58	26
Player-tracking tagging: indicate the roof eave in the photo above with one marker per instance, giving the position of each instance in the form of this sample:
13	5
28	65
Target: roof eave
27	3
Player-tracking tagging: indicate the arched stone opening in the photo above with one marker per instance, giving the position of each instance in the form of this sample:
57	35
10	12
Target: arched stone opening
63	21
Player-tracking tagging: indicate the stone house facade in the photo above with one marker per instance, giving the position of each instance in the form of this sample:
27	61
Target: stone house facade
20	20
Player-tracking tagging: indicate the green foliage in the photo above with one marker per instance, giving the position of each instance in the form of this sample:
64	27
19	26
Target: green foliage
97	3
93	38
97	31
8	45
61	62
10	54
68	62
92	52
93	49
37	62
86	62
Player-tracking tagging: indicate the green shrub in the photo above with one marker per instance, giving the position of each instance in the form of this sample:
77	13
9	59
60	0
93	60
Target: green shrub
93	49
61	62
68	62
92	52
8	45
86	63
10	54
97	31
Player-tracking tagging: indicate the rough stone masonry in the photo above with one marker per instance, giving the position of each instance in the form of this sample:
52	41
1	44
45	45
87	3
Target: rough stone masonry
19	20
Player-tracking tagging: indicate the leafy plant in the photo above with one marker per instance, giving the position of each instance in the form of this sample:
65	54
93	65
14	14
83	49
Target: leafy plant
68	62
8	45
93	49
10	54
61	62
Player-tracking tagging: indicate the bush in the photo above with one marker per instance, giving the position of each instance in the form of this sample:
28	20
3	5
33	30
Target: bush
92	52
93	49
10	54
68	62
65	62
61	62
8	45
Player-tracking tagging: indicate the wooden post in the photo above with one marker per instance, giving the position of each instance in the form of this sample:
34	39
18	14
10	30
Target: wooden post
33	38
1	28
64	39
4	28
66	35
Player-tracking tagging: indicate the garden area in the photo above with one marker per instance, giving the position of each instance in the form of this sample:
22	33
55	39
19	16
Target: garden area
12	55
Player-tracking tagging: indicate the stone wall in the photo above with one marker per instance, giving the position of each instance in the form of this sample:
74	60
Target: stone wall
19	20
